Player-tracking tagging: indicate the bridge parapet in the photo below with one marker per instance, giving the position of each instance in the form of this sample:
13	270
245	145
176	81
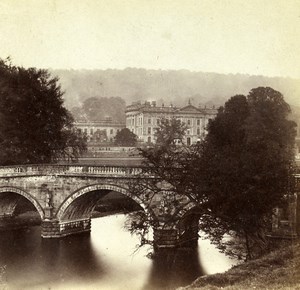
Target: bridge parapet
56	169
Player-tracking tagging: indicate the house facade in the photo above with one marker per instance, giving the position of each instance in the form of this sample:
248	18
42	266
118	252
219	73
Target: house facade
144	119
101	131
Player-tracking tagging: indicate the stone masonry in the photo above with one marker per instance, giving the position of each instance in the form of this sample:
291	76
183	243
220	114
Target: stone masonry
65	196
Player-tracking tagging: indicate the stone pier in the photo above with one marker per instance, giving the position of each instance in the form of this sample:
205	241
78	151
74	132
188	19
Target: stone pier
56	229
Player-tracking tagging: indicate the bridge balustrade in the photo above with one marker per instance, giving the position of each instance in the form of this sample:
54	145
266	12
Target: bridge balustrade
7	171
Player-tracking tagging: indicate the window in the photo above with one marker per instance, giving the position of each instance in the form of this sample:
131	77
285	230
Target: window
149	130
189	122
198	131
149	139
198	122
188	132
157	121
85	131
111	131
149	120
91	131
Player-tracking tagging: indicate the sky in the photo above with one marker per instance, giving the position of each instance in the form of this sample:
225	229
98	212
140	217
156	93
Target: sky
258	37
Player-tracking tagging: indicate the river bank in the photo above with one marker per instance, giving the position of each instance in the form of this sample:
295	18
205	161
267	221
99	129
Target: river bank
279	269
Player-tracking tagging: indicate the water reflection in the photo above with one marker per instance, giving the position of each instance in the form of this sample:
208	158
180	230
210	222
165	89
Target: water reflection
172	268
106	259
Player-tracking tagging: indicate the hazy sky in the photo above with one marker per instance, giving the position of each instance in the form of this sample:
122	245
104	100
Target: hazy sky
226	36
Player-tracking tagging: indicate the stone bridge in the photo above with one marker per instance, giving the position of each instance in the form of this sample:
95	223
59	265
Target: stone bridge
66	195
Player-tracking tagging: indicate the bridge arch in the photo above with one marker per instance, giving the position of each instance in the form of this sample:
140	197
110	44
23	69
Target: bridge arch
189	207
188	226
26	195
97	187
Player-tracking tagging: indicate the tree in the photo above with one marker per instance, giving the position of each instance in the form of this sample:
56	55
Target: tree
100	108
35	127
170	132
168	164
166	159
236	176
244	166
125	138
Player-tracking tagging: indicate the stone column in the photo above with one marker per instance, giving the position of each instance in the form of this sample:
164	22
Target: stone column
50	229
188	235
165	238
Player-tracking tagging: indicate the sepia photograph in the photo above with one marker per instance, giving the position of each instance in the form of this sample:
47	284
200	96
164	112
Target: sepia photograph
149	144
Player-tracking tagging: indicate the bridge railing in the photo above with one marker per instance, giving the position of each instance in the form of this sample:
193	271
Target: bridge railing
56	169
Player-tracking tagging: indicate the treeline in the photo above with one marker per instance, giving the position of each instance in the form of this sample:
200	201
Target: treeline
99	108
167	86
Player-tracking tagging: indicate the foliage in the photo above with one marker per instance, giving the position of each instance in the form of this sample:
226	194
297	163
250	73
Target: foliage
99	108
165	157
125	138
35	127
139	224
244	167
170	132
176	86
169	167
237	175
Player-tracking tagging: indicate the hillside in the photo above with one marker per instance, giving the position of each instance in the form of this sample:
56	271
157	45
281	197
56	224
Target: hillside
133	84
278	270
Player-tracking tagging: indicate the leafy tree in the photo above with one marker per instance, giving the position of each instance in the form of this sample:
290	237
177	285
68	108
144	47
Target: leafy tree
125	138
170	132
167	158
35	127
165	153
244	167
237	175
100	108
167	162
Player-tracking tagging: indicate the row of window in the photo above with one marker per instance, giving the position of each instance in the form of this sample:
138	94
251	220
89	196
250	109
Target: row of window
150	121
150	130
188	140
91	131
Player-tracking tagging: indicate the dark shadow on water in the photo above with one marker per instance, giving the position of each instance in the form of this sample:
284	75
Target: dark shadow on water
173	268
78	258
31	260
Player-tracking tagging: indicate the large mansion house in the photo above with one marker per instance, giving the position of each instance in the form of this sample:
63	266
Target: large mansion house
143	119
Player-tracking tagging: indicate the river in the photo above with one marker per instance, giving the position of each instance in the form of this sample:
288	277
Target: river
105	259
